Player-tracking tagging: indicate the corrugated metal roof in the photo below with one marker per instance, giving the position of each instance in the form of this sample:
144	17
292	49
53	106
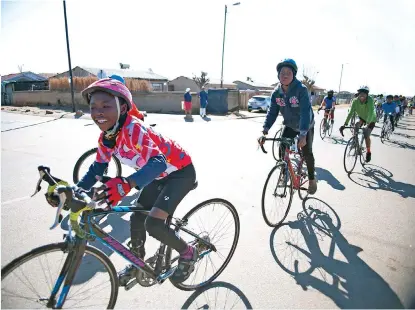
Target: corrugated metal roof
254	84
126	73
217	82
23	76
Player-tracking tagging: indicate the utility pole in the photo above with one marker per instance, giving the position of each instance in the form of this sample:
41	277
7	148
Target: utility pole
69	56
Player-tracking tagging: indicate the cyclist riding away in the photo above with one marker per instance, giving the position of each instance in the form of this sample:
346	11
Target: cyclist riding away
389	108
165	170
291	98
328	104
364	107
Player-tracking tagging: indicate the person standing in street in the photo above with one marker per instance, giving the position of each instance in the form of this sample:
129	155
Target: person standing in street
188	103
203	101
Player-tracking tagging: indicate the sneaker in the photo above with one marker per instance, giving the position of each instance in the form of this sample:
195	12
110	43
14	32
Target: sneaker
186	265
368	157
312	186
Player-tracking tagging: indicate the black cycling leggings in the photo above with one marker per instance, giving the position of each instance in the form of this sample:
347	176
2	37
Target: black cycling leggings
164	194
307	149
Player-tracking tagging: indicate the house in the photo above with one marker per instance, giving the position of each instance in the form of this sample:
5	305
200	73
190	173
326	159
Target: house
157	82
252	86
318	91
24	81
215	83
181	83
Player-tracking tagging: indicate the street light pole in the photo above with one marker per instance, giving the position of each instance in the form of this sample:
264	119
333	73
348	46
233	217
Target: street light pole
69	56
223	43
341	75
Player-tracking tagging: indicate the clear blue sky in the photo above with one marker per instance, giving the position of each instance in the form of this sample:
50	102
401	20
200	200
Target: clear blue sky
375	37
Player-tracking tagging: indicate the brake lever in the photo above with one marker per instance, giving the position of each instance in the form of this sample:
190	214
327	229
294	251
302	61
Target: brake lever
62	190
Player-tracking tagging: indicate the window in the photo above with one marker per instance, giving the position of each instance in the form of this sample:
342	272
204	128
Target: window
157	86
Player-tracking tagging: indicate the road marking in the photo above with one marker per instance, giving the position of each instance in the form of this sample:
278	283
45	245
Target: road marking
14	200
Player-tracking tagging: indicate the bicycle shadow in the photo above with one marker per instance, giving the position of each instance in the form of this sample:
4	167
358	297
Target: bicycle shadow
403	135
337	140
325	175
315	238
399	144
217	295
381	179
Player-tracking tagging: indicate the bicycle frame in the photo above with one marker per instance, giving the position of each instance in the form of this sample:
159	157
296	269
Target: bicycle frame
295	176
77	246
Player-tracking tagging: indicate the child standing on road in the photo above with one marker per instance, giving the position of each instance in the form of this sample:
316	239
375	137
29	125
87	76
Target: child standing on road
188	103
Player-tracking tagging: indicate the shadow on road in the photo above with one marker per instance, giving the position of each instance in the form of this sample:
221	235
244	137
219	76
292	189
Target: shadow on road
325	175
403	135
399	144
306	248
337	140
378	178
218	295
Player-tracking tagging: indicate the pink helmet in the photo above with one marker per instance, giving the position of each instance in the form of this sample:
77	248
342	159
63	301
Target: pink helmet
112	86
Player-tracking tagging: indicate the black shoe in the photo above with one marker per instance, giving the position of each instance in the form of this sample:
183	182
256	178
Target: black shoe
185	267
368	157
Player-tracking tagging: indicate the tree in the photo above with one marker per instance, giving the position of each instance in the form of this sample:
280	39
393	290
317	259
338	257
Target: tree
249	79
201	80
309	78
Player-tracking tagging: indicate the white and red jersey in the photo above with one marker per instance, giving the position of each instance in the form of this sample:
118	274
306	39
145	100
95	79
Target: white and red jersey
136	144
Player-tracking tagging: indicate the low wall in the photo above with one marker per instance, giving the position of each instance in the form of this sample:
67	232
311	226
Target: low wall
154	102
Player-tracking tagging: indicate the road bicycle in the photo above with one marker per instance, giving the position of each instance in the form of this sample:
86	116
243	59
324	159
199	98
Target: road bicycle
326	125
386	129
79	268
354	149
290	176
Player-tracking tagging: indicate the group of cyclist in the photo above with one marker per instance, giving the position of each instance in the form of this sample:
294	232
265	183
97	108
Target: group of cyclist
164	170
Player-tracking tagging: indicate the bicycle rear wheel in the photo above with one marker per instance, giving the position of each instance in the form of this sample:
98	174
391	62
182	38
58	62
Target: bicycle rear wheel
89	157
384	133
44	265
280	190
322	129
330	130
214	221
350	155
276	145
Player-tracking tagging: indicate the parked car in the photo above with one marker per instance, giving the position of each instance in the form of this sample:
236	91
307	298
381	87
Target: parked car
260	103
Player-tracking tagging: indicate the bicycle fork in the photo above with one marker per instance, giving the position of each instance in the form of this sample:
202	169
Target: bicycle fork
67	274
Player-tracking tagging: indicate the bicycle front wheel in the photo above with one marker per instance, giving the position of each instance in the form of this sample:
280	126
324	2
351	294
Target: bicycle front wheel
323	129
277	195
215	221
29	281
83	163
350	155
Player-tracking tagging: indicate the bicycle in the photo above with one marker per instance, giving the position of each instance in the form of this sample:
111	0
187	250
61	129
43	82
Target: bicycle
386	130
276	145
379	114
155	270
92	153
326	125
354	148
289	179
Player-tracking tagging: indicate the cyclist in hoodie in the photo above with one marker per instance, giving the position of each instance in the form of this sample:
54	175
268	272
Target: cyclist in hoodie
364	107
165	172
389	108
290	97
328	104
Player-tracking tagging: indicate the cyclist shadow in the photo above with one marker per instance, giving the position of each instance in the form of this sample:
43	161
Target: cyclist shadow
217	295
400	144
323	174
306	248
337	140
378	178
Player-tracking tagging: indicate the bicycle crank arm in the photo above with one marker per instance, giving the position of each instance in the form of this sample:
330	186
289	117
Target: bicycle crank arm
131	284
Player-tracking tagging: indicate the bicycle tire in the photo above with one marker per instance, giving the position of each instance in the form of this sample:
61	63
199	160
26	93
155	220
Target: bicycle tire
92	152
331	129
235	215
300	192
267	221
10	267
322	131
362	153
276	145
348	145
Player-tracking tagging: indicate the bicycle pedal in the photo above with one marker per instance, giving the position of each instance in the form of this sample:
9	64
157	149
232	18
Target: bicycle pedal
131	284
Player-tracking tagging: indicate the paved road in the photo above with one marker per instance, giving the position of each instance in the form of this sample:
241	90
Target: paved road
372	260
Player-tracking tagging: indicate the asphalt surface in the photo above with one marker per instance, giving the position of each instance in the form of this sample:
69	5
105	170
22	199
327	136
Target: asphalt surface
367	259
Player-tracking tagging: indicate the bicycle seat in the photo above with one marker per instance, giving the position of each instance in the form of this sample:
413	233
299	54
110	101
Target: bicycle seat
195	185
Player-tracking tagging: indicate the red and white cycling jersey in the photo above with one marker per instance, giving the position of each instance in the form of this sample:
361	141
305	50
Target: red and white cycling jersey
136	144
